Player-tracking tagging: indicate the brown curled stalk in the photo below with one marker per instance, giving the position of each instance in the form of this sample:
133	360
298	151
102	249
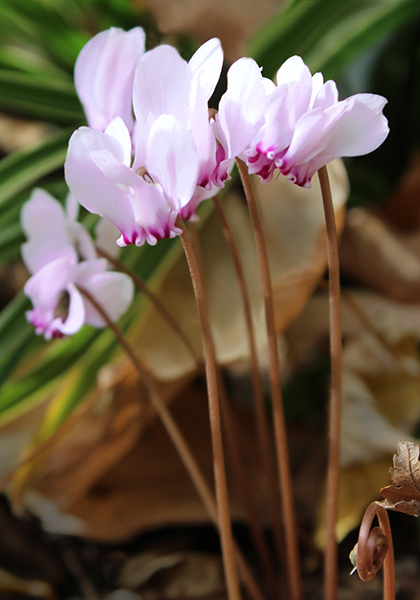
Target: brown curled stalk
143	287
180	444
374	549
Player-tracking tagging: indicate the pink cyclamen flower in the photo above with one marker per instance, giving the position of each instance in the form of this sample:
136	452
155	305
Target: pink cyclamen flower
174	148
62	257
104	75
299	124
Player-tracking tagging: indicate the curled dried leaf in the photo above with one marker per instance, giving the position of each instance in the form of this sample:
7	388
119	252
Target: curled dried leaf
403	494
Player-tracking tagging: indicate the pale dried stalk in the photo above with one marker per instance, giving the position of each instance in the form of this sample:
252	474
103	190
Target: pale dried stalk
283	462
334	430
222	499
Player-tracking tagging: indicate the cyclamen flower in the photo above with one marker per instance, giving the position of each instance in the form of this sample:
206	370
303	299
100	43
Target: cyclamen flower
104	76
299	124
62	257
174	148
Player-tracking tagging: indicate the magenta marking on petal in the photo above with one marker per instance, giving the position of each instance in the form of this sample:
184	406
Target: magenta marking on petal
57	334
220	154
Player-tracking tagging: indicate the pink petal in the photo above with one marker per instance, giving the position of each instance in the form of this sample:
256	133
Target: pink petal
93	189
241	107
43	289
118	130
76	314
41	215
104	75
162	85
172	160
206	65
113	291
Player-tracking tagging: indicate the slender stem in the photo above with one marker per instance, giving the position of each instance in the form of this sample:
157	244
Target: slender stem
286	490
143	287
261	421
231	437
179	442
222	499
334	433
230	425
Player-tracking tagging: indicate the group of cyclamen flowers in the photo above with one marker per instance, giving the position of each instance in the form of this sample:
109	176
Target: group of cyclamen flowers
152	152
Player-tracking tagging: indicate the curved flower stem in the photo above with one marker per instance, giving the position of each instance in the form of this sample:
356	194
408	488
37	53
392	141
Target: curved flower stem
333	472
230	426
143	287
286	490
222	499
180	444
232	440
375	548
262	426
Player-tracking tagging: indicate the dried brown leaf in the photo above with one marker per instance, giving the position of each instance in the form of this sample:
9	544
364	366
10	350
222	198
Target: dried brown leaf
403	494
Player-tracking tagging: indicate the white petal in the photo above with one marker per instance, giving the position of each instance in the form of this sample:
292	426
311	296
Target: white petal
206	64
93	189
172	160
119	131
162	85
104	75
76	315
113	291
41	215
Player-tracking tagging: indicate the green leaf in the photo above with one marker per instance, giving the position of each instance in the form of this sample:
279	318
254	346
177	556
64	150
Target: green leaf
51	100
24	168
326	33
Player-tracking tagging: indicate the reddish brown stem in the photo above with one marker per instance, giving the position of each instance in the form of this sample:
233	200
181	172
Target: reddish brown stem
231	428
283	462
374	548
261	421
180	444
334	433
232	439
222	499
143	287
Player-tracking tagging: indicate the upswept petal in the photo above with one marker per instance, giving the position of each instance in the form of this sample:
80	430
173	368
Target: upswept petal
76	313
113	291
104	75
327	96
241	108
206	65
352	127
202	132
118	130
161	85
91	186
286	104
36	255
172	160
42	215
360	129
43	289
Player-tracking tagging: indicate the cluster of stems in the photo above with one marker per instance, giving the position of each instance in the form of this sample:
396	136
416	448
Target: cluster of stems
217	507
